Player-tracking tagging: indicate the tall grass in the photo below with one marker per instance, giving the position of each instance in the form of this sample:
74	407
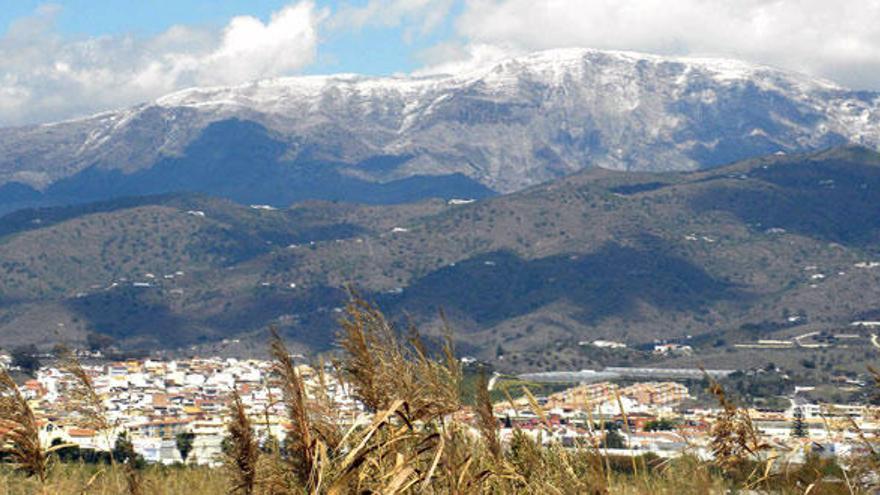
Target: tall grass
82	398
242	452
85	479
20	431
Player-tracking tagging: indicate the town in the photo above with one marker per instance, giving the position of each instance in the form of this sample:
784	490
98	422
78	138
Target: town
175	411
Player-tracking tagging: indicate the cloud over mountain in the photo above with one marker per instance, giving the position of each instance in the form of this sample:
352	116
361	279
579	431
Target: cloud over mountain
45	75
837	40
48	74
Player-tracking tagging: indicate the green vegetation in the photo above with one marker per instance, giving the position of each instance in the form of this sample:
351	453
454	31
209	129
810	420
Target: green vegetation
798	427
25	357
184	442
660	425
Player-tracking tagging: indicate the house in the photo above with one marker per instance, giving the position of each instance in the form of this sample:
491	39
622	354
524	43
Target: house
160	428
609	344
665	349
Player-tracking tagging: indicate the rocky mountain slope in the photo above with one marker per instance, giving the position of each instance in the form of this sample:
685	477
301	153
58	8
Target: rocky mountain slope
506	126
736	253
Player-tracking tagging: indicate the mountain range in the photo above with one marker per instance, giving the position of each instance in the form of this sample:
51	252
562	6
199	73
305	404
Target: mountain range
756	249
538	203
496	129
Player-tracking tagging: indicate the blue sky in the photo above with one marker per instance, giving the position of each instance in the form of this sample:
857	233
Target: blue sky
74	57
366	50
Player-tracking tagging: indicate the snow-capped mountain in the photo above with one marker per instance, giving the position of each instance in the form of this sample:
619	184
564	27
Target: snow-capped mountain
507	126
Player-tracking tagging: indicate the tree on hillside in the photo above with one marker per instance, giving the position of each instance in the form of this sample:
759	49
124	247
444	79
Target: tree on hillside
98	341
25	357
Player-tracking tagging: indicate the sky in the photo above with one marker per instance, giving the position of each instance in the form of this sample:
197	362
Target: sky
76	57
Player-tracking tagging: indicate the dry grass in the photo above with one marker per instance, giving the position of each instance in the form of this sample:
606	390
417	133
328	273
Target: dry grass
242	453
75	479
20	432
381	369
83	397
487	423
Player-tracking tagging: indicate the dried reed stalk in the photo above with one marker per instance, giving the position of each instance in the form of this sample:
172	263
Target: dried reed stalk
83	398
243	453
487	423
20	431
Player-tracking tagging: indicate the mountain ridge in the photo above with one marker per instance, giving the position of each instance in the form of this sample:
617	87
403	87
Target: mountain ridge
722	255
508	125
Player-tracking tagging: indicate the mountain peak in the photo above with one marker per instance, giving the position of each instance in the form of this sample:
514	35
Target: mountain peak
554	64
508	124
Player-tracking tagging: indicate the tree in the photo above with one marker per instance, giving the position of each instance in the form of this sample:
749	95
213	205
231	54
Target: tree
184	441
614	440
874	396
98	341
798	427
270	444
69	453
660	425
123	452
25	357
59	350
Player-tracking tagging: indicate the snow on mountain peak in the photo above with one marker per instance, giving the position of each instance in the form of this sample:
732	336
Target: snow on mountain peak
508	123
549	66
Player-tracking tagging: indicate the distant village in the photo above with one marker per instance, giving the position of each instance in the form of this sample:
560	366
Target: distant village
154	402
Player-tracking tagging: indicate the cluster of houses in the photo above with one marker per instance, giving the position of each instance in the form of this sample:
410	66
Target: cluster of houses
154	402
657	417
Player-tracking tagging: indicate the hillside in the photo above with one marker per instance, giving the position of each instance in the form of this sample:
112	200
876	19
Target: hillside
150	270
766	248
502	127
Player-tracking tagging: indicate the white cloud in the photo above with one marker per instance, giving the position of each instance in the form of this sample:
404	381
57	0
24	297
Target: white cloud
838	40
456	58
419	17
251	49
46	76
